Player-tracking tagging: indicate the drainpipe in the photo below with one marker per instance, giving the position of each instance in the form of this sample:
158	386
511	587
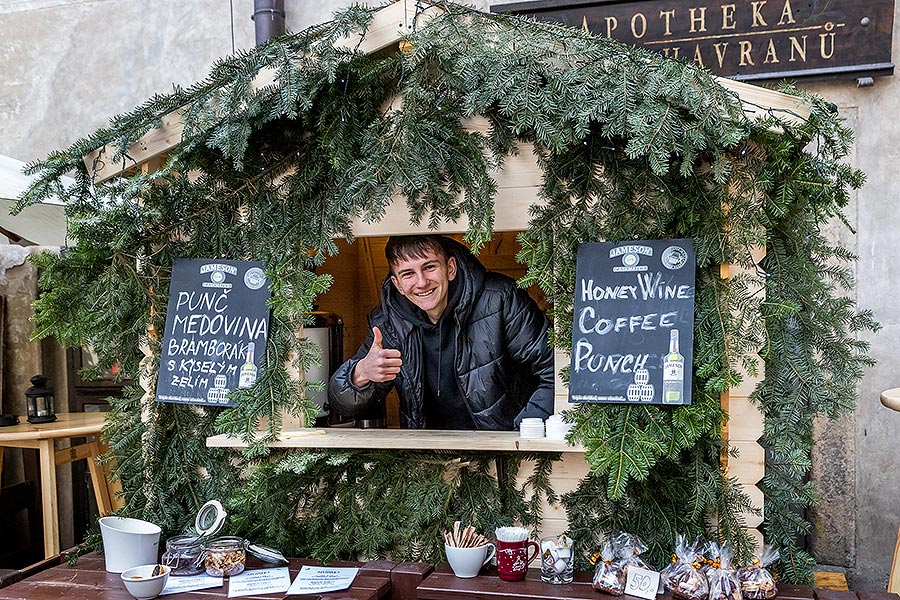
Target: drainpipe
268	16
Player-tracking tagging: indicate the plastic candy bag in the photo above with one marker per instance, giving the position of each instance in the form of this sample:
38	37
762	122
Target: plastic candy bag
683	577
757	582
630	548
723	578
609	575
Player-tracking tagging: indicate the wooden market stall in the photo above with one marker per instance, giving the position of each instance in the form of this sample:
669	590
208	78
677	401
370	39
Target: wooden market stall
359	268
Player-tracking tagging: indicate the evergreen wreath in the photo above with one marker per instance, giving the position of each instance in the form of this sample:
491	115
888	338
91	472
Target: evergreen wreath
632	146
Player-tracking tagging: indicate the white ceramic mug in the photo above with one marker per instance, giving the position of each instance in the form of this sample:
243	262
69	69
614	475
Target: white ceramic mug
128	543
467	562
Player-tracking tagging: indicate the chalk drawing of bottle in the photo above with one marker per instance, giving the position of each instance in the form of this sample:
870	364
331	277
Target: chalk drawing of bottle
248	371
673	372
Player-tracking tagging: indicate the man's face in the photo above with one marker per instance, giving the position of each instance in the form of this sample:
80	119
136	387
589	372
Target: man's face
425	281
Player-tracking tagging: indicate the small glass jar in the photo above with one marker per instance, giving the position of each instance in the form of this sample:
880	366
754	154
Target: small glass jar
184	555
225	556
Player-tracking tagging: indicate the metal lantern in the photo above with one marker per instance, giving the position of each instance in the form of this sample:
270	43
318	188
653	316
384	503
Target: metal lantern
39	401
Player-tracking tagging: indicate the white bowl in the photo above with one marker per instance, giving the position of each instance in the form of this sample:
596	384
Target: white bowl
140	582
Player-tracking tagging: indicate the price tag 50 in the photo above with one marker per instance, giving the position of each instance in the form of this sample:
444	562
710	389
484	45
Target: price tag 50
642	583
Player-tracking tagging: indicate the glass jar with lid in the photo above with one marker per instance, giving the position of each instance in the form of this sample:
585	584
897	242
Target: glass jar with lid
222	556
184	555
225	556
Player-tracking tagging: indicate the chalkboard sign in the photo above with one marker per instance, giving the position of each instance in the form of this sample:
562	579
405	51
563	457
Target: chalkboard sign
633	330
216	329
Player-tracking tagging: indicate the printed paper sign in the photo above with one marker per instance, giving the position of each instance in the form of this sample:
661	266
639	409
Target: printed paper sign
177	584
311	580
259	581
642	583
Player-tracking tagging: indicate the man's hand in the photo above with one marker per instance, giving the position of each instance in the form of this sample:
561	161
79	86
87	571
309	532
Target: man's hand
380	364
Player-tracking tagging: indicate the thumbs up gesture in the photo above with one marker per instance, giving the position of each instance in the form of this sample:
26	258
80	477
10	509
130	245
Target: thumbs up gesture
380	364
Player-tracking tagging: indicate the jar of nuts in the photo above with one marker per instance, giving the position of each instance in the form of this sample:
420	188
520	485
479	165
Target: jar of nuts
225	556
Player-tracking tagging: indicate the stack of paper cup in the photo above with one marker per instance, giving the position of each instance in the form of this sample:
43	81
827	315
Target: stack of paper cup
557	428
531	428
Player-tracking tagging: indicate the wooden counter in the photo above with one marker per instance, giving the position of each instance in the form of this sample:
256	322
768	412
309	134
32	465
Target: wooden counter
88	580
405	439
442	584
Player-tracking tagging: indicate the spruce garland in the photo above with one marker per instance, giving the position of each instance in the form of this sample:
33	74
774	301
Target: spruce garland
632	145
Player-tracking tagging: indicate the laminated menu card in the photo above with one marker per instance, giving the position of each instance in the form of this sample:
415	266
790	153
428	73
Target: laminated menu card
312	580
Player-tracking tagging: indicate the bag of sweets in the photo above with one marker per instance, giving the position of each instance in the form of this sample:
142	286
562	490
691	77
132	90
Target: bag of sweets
710	557
723	578
757	582
630	549
683	576
609	576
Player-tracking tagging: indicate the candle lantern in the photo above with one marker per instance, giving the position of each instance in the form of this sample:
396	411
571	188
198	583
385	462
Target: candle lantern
39	401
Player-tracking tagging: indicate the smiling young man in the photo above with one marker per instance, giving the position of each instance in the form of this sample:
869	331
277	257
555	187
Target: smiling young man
465	348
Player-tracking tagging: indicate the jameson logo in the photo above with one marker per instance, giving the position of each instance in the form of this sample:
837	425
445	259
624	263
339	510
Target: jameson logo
762	39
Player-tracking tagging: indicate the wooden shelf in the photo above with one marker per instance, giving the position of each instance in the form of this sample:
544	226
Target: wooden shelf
406	439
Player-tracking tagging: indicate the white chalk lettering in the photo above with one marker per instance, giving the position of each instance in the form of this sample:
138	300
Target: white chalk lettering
653	287
590	292
586	360
202	301
589	323
218	324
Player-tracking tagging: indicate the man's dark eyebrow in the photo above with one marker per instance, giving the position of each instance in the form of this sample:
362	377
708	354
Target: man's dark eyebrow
425	264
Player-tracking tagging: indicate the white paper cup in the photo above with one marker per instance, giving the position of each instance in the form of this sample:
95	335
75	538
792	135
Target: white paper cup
128	543
467	562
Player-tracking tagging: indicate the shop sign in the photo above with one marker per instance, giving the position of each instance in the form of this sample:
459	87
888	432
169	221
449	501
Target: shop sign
217	324
633	326
745	40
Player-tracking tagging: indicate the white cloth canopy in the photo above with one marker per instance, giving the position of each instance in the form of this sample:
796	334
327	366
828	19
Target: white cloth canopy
42	224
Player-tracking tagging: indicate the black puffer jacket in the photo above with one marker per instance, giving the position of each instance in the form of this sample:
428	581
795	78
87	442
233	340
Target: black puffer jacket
503	362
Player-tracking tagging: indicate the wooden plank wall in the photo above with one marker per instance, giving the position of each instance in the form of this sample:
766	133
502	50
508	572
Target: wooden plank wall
745	425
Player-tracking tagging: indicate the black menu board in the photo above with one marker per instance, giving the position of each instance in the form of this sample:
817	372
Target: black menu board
633	329
217	324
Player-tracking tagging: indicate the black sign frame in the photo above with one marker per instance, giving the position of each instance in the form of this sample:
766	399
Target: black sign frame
629	299
217	319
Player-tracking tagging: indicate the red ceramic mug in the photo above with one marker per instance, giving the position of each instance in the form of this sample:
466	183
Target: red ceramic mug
513	559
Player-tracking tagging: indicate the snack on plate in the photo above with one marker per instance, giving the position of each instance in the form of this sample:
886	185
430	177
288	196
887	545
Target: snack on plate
683	576
609	575
723	578
757	582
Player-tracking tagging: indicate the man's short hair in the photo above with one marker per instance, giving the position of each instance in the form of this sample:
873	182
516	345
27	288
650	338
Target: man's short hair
406	247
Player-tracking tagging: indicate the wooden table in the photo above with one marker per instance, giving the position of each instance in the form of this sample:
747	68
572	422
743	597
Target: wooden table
42	437
88	580
442	584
